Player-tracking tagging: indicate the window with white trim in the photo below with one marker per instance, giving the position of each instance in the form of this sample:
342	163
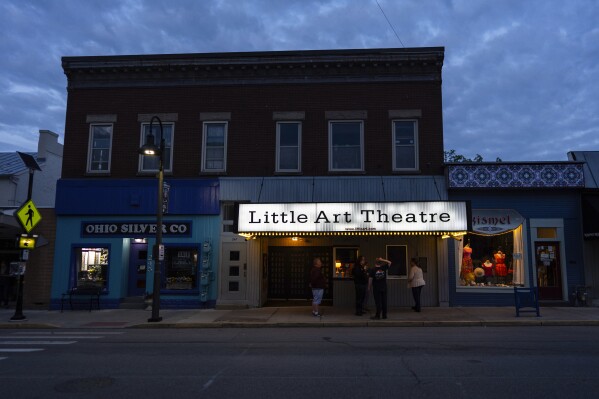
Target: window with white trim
289	151
214	152
150	163
100	148
405	145
346	146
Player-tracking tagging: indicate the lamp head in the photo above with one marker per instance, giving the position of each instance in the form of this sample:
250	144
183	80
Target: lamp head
149	148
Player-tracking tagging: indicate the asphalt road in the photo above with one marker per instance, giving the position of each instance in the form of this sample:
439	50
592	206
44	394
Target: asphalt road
446	362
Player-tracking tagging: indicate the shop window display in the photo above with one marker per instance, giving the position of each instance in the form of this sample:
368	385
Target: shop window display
91	267
181	268
491	260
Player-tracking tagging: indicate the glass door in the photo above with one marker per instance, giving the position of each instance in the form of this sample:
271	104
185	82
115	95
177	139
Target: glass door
549	274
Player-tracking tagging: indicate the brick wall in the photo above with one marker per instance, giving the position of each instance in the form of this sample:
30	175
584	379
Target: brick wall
252	131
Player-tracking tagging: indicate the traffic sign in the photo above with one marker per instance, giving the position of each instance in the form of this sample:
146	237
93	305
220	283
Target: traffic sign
28	216
27	242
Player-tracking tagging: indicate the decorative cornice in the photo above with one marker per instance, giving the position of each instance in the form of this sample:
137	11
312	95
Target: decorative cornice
372	65
516	175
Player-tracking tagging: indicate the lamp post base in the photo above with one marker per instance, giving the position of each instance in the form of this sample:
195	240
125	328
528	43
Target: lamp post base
154	319
18	318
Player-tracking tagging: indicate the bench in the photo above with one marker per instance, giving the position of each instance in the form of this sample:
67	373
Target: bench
91	292
526	297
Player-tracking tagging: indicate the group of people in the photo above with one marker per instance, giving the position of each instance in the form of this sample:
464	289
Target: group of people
366	280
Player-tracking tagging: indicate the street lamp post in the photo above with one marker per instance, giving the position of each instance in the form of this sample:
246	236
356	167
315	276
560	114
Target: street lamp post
150	149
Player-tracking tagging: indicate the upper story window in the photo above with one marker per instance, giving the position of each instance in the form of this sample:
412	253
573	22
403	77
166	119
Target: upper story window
214	152
346	146
151	163
100	148
289	149
405	145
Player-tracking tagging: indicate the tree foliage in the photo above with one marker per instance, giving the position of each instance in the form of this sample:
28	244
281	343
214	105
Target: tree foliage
451	157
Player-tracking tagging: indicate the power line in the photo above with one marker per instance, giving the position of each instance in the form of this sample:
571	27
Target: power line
389	22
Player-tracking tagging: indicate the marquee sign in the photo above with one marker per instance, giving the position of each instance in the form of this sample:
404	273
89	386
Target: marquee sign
435	216
495	221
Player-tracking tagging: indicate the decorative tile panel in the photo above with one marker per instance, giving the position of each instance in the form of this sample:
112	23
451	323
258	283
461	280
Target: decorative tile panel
520	175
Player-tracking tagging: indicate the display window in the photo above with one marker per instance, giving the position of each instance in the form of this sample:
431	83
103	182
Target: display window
490	260
181	267
91	266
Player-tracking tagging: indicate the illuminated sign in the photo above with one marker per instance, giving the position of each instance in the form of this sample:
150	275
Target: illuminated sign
434	216
27	242
495	221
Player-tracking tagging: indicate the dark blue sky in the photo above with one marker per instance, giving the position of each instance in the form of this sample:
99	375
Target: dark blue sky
520	79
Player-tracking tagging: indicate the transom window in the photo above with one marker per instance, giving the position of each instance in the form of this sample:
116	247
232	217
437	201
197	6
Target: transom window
150	163
214	153
346	146
100	145
405	145
289	138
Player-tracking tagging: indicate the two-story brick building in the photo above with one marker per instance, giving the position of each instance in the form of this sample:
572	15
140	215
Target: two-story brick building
330	154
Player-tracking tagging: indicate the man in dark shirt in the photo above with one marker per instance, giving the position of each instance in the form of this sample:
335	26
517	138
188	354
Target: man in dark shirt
360	275
377	282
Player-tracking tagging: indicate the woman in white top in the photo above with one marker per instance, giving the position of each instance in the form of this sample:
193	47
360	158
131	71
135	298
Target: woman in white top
416	282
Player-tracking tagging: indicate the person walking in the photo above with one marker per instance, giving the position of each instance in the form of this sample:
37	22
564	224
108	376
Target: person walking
416	282
377	283
360	282
318	283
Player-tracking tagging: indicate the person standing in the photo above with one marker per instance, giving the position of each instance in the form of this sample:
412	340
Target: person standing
377	282
360	282
318	283
416	282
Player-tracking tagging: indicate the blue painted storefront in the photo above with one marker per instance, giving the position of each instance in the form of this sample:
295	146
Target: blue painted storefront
562	205
113	214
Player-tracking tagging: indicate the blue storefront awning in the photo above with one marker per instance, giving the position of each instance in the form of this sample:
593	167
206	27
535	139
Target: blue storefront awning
135	197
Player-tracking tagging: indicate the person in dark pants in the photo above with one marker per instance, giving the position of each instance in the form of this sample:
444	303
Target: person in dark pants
318	283
416	282
377	282
360	282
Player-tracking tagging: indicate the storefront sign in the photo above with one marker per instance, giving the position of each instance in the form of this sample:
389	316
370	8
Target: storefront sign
495	221
435	216
134	229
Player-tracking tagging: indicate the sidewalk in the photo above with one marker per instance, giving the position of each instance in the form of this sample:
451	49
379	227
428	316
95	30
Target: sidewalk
300	317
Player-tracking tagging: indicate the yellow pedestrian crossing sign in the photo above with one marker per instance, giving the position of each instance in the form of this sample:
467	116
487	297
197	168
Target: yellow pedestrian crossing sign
28	216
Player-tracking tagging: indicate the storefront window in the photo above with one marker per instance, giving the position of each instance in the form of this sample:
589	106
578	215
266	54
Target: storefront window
92	266
345	259
491	260
181	268
398	255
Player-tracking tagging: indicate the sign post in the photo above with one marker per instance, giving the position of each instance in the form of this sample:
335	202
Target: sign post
29	217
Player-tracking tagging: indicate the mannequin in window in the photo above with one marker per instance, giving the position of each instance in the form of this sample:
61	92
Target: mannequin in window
488	269
467	269
500	267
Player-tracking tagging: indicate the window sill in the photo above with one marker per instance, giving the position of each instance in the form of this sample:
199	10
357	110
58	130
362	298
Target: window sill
407	172
347	172
97	174
288	173
210	173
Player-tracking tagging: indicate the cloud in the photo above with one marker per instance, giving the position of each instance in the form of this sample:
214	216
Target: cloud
520	79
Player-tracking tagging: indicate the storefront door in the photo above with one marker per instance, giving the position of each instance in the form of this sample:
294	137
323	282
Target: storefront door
234	271
137	269
549	274
289	271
